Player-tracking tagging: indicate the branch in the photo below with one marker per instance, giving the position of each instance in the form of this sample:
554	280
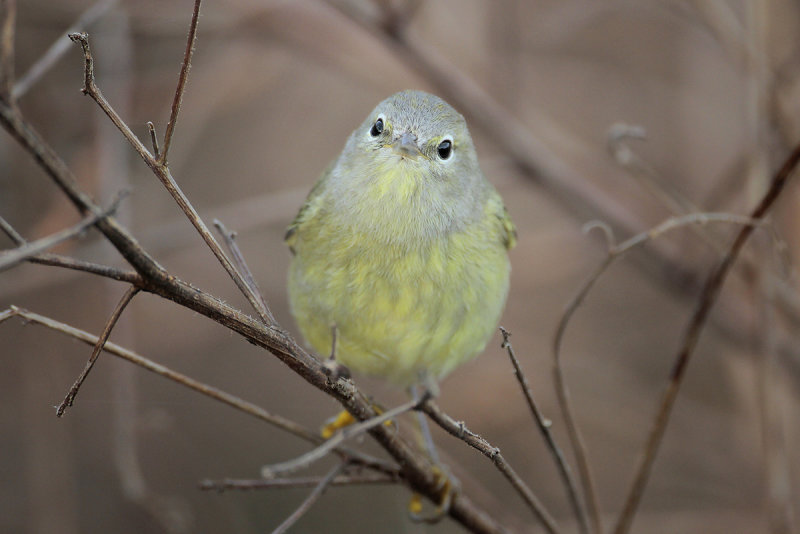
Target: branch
162	171
708	297
459	430
544	427
8	16
176	102
310	500
112	321
28	250
60	47
331	443
615	252
300	482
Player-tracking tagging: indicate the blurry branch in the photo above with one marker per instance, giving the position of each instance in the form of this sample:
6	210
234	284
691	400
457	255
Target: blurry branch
300	482
649	179
614	252
59	47
313	497
460	431
127	297
708	297
9	16
544	427
25	251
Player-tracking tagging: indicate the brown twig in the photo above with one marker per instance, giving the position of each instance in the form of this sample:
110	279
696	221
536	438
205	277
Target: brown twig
614	252
8	17
459	430
59	47
106	271
162	172
28	250
229	238
184	75
98	348
151	128
351	456
544	427
348	432
360	479
689	341
312	498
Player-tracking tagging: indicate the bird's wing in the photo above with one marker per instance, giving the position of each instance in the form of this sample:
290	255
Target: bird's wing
307	210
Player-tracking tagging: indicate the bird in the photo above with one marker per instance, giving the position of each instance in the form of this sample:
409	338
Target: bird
400	251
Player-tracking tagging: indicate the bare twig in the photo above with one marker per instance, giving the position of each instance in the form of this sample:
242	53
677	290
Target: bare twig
302	461
106	271
360	479
544	427
184	75
98	348
351	456
8	16
459	430
615	252
229	238
153	139
60	47
312	498
689	341
28	250
162	173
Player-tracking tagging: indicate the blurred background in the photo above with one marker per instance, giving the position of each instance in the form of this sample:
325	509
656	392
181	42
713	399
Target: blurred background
275	89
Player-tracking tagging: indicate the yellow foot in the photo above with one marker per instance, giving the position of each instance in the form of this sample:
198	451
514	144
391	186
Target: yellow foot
344	419
447	486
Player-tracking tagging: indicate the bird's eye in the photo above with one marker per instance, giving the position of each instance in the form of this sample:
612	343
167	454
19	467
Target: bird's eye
377	128
445	149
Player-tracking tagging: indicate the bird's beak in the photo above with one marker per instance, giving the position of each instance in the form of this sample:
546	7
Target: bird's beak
406	146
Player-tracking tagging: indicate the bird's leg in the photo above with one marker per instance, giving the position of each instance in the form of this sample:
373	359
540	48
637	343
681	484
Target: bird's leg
447	484
333	369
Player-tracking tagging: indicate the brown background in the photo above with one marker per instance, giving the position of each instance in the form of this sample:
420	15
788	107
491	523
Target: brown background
274	90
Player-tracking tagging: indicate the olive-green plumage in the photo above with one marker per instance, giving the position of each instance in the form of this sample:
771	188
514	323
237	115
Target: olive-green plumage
402	245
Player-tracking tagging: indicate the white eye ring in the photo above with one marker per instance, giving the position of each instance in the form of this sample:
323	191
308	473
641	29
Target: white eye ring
445	148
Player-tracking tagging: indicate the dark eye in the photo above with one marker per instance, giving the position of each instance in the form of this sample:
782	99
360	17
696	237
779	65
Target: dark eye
445	149
377	128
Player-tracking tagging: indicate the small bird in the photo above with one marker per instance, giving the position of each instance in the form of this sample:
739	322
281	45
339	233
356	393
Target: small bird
401	248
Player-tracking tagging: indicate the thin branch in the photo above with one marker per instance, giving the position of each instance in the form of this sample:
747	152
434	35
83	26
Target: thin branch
544	427
106	271
110	324
162	172
8	17
229	238
153	139
459	430
30	249
708	297
300	482
351	456
59	47
615	252
184	75
9	230
312	498
305	460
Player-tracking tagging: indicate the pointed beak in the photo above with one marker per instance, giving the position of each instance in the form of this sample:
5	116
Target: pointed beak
406	146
